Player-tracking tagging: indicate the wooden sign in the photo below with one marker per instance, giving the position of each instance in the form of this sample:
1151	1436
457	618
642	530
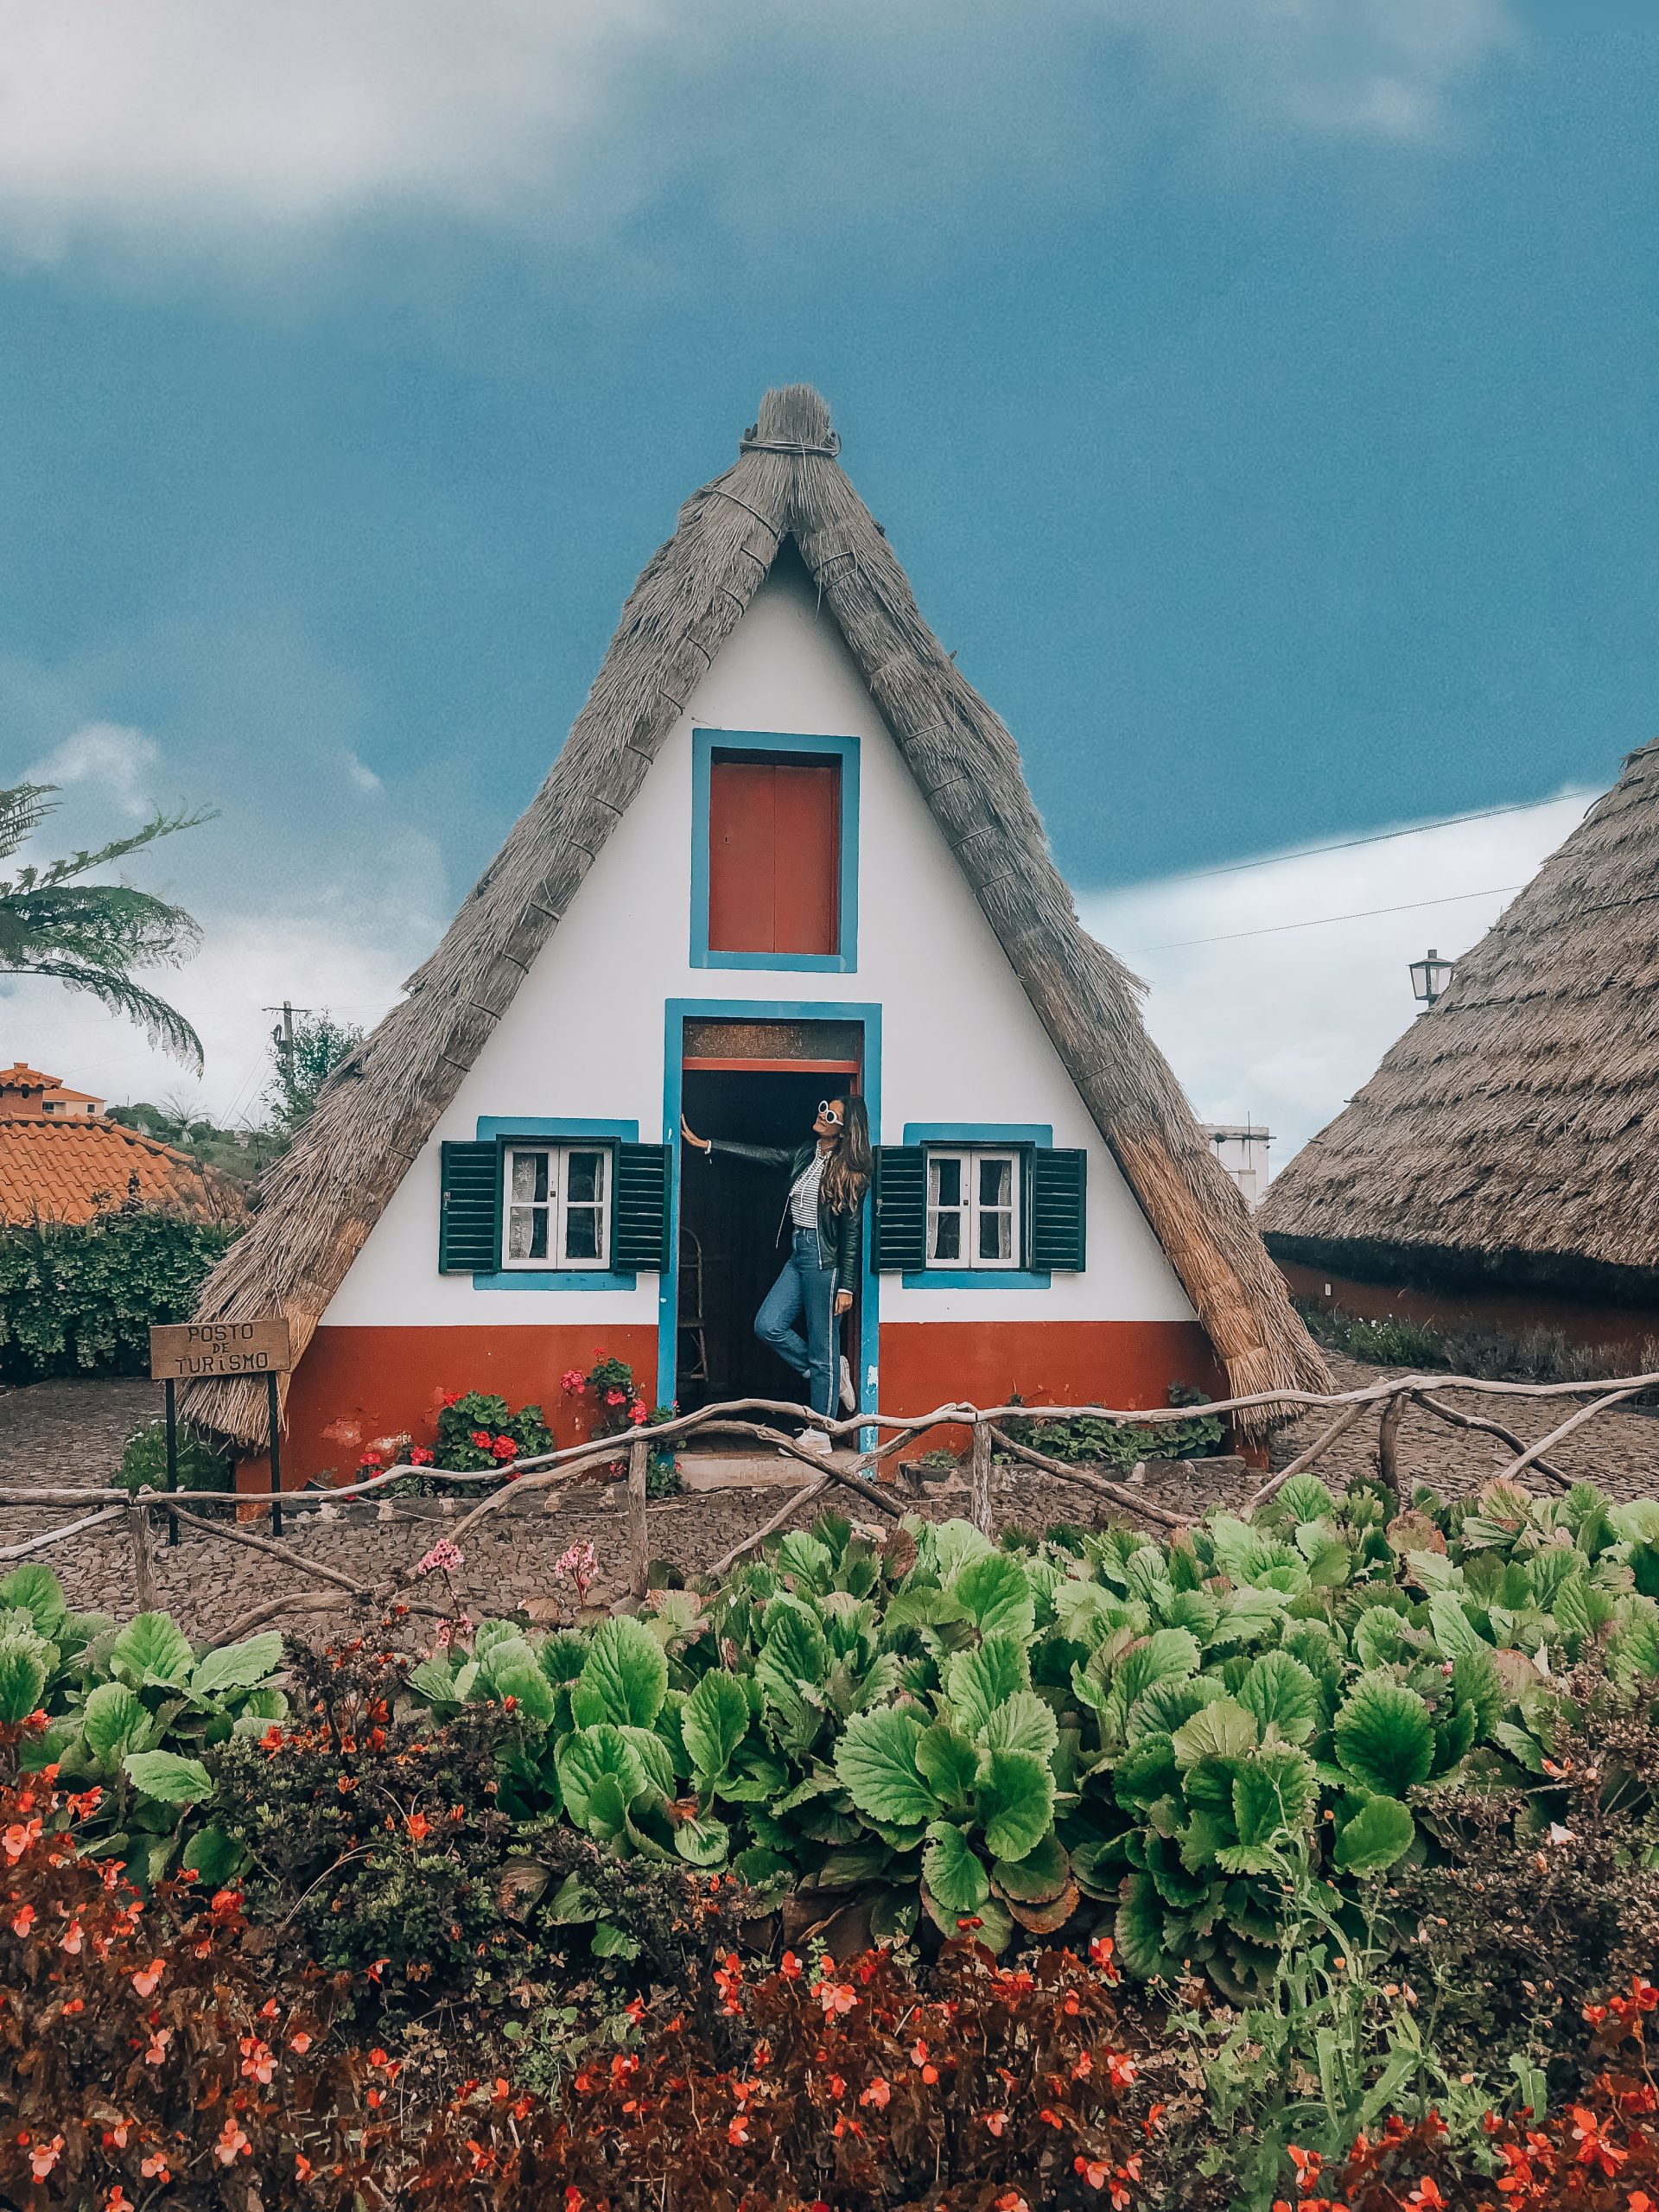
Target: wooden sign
193	1351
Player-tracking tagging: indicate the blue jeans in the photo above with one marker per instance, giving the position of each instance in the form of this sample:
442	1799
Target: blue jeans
804	1288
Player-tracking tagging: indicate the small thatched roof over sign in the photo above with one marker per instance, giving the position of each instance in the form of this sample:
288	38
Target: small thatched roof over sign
322	1199
1511	1136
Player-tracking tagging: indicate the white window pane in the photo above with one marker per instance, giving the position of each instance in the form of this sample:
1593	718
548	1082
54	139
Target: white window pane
945	1243
581	1233
527	1233
996	1180
995	1236
529	1177
584	1181
946	1172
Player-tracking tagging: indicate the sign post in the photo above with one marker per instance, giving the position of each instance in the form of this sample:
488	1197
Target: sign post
201	1351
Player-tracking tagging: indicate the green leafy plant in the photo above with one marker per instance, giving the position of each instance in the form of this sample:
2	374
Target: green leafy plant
143	1461
477	1431
1081	1440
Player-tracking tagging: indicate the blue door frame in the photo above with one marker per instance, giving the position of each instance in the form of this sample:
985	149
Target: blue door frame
677	1012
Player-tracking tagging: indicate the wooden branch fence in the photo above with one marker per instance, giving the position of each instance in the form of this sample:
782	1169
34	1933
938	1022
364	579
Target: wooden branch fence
555	1472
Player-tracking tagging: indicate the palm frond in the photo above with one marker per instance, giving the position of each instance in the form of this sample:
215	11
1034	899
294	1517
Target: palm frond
22	809
163	1025
159	825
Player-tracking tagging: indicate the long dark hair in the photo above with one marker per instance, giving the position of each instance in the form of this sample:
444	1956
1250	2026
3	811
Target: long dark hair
847	1172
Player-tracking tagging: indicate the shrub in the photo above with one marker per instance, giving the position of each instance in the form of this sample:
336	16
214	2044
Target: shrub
1081	1440
477	1432
80	1296
1536	1355
143	1462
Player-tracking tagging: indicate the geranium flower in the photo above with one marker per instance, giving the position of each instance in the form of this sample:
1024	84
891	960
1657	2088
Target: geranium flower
482	1439
573	1382
504	1447
616	1397
420	1457
637	1411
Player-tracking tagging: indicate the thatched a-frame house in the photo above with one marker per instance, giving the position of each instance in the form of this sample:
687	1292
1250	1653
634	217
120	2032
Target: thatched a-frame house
779	773
1503	1163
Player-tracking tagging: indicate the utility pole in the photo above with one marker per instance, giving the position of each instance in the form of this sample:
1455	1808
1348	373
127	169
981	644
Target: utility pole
282	1036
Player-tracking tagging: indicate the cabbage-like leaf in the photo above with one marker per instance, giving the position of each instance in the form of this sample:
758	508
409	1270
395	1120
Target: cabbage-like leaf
1476	1683
1220	1731
795	1650
1140	1931
236	1666
115	1722
981	1680
807	1559
1279	1692
1167	1655
876	1762
949	1763
993	1593
33	1589
1166	1705
1275	1795
654	1756
624	1677
1380	1833
1304	1498
168	1778
22	1677
533	1695
590	1758
704	1842
1384	1737
152	1648
1037	1878
434	1682
1014	1802
1023	1723
713	1721
213	1857
953	1871
1455	1632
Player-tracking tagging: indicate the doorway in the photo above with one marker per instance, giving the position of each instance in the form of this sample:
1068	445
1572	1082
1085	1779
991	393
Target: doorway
730	1252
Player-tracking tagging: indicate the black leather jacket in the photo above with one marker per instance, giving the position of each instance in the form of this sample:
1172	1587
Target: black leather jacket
841	1235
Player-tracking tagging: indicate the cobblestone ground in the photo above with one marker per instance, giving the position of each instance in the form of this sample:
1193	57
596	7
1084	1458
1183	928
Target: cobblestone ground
70	1432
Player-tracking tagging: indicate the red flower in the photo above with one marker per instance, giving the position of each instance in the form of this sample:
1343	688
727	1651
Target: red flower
420	1457
449	1397
616	1397
505	1447
637	1411
482	1438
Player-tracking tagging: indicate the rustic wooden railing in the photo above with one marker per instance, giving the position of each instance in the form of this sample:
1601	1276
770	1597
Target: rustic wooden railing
755	1419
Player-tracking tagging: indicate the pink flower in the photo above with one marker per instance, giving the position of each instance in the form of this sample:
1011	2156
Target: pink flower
616	1397
578	1566
573	1382
637	1411
44	2157
443	1559
144	1982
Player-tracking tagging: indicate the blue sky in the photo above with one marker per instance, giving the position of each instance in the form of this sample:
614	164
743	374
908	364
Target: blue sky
1261	401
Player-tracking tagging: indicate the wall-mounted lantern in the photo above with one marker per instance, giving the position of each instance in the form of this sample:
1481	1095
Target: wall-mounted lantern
1430	978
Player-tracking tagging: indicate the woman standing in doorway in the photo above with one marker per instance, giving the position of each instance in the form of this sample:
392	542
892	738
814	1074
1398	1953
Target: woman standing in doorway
824	1215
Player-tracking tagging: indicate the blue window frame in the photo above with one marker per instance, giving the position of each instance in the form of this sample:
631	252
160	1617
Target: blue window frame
845	750
948	1136
500	1129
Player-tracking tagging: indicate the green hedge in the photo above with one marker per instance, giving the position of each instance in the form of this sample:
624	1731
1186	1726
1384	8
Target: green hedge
80	1298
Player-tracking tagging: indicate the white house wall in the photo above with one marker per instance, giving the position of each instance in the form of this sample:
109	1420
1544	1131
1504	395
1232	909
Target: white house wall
583	1037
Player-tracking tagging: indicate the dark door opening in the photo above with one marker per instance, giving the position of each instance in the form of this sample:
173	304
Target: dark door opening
730	1253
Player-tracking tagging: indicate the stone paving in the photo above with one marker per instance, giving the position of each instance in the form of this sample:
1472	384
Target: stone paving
72	1432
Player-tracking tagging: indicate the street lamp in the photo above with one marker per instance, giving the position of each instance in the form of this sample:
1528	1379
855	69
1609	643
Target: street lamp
1430	977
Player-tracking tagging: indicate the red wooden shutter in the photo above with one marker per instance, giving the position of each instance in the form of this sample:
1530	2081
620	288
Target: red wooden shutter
774	855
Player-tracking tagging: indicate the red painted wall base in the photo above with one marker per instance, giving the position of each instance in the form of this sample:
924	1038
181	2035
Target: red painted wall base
355	1386
1621	1328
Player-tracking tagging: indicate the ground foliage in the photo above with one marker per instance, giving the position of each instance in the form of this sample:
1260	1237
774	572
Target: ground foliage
80	1296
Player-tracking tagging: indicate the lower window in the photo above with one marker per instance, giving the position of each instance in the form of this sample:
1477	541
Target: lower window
557	1201
974	1209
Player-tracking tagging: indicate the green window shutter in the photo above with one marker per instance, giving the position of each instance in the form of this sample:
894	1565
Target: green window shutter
900	1237
469	1211
1058	1183
640	1238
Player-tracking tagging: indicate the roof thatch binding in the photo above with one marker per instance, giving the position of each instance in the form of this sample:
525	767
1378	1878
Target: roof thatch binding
1511	1136
322	1199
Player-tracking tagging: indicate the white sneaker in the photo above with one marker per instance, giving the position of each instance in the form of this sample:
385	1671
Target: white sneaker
815	1440
849	1396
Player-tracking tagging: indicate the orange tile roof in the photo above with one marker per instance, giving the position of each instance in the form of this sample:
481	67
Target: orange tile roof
18	1077
70	1170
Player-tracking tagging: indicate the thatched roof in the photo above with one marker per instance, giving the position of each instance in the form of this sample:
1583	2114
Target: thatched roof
322	1199
1511	1136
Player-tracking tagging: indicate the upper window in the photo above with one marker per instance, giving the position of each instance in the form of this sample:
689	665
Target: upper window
556	1206
774	856
974	1209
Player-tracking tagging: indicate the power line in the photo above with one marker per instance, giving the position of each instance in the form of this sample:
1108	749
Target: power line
1321	921
1374	837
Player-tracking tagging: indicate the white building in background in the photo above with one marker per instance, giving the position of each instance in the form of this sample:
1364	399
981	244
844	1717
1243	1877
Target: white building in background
1242	1148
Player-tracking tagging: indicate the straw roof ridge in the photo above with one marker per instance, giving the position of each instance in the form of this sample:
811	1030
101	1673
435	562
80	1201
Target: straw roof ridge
322	1199
1512	1134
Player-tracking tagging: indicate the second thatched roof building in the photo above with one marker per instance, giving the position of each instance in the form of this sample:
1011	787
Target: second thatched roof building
1502	1164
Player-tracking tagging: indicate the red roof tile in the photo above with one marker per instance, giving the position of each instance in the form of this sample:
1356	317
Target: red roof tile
71	1170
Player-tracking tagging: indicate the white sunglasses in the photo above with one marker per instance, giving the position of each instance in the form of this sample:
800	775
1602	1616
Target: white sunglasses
827	1112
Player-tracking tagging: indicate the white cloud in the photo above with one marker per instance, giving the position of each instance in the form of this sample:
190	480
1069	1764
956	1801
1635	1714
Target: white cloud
362	775
1284	1024
193	121
112	755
